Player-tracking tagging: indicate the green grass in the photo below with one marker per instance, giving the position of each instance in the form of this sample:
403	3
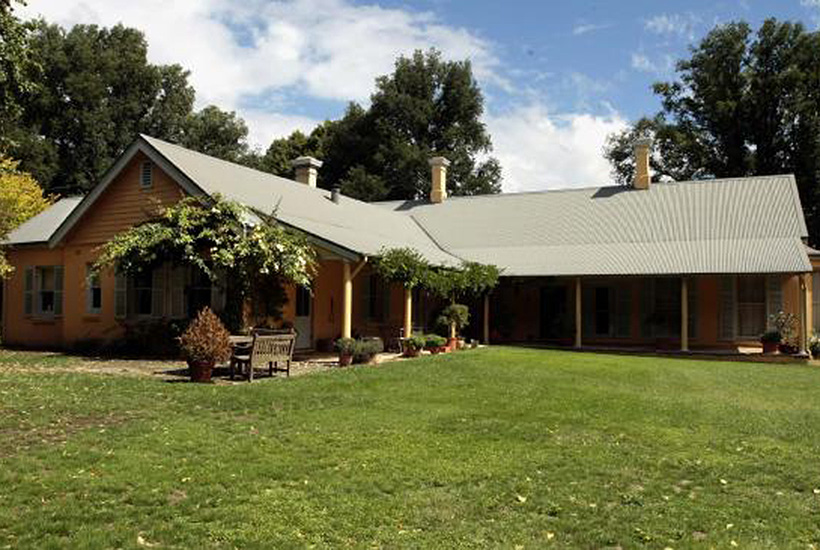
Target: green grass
490	448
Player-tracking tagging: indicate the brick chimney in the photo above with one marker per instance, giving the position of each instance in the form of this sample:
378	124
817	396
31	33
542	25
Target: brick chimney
642	148
438	190
307	169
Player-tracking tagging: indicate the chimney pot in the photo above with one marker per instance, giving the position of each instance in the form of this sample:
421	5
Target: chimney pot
438	189
307	170
336	194
642	149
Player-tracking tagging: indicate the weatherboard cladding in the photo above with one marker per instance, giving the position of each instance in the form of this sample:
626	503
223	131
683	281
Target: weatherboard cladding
744	225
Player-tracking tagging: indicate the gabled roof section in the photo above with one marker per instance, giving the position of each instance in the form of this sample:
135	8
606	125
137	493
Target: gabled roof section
350	226
40	228
742	225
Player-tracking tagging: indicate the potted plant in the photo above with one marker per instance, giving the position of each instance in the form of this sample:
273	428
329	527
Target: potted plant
435	344
814	345
346	348
455	317
786	325
413	345
366	349
770	340
204	343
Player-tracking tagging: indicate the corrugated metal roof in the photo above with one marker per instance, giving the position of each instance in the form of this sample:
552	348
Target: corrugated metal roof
732	225
40	228
357	226
743	225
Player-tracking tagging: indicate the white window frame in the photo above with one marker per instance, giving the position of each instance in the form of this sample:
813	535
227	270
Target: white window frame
92	281
33	293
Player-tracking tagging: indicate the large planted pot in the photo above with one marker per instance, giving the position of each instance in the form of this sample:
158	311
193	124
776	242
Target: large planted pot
770	347
200	370
345	359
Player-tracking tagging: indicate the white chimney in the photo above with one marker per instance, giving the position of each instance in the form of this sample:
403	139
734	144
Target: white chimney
307	169
438	190
642	148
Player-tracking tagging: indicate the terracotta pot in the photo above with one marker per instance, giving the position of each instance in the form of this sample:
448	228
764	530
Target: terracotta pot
435	350
411	352
345	359
787	349
452	344
200	370
770	347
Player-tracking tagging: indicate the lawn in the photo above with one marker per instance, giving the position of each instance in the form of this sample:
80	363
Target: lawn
496	447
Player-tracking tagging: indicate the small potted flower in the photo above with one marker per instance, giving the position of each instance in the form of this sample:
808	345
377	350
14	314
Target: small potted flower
204	343
346	348
435	344
366	349
413	345
770	340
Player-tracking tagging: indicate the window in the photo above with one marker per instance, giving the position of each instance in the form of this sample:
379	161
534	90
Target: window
302	301
602	311
751	306
93	297
147	174
199	292
143	293
376	299
43	291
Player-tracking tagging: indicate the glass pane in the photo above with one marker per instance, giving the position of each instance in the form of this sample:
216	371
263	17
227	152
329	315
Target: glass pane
751	320
751	289
96	298
144	301
47	301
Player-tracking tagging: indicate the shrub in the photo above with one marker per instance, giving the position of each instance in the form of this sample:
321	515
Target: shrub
434	341
415	342
206	339
786	324
345	346
814	345
771	336
366	349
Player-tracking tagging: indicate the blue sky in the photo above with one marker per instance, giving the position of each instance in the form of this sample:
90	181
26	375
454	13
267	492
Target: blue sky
558	76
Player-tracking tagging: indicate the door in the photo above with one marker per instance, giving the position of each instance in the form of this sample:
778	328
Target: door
553	311
304	317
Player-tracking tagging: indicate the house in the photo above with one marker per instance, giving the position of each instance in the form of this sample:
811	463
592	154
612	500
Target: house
687	265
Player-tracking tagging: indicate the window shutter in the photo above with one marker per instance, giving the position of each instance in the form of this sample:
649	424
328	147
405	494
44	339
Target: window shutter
178	292
728	308
120	296
58	290
28	292
647	308
774	297
623	310
158	292
692	300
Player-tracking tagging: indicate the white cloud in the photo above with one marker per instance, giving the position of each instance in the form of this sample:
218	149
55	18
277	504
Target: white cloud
682	25
538	150
660	65
584	28
327	49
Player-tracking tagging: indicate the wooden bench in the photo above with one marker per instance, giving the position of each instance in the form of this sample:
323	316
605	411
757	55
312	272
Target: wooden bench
272	350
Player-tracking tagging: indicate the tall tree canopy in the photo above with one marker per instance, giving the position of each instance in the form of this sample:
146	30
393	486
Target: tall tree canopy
20	199
96	92
744	103
16	69
427	106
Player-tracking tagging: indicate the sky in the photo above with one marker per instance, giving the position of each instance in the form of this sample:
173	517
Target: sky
558	76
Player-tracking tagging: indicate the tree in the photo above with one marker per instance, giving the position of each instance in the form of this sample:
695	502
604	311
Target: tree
20	199
96	93
744	104
282	151
16	70
217	133
425	107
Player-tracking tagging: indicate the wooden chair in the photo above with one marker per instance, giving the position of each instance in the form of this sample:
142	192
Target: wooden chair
275	351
